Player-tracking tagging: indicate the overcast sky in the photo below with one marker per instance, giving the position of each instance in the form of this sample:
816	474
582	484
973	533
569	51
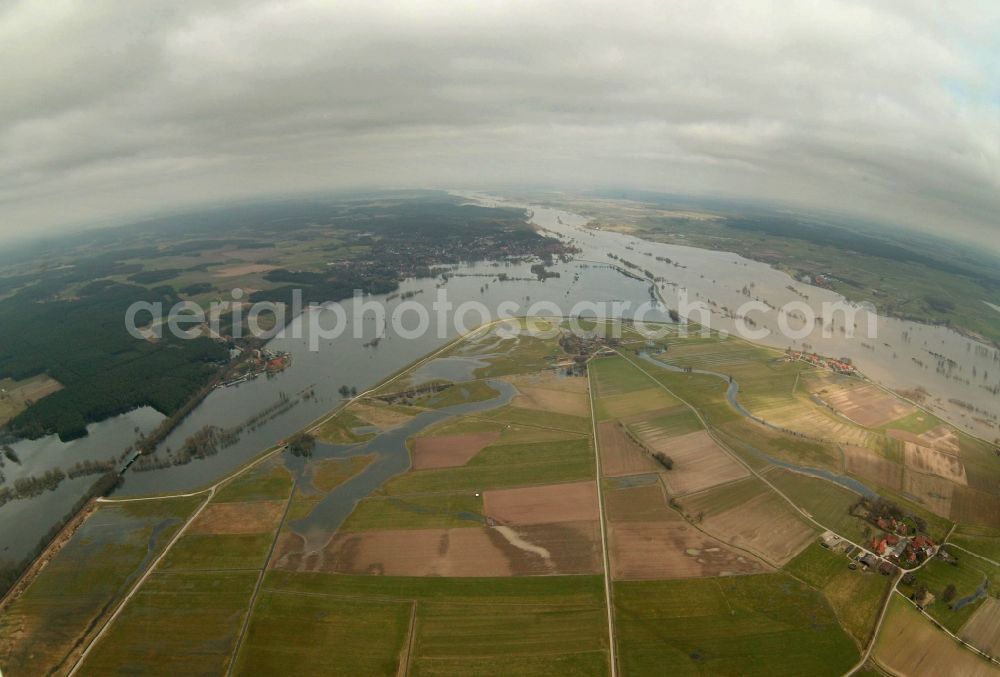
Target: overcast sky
886	109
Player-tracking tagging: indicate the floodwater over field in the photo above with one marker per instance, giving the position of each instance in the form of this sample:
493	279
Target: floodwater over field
900	357
391	458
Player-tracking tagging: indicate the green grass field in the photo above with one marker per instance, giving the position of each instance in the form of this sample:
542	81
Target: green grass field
748	625
352	625
828	503
319	634
84	581
218	551
267	481
966	576
541	419
181	623
855	595
418	511
504	465
459	393
520	356
980	540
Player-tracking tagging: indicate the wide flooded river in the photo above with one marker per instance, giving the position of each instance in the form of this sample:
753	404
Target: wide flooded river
900	357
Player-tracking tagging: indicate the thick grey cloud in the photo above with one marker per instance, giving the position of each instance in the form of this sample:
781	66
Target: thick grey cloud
890	110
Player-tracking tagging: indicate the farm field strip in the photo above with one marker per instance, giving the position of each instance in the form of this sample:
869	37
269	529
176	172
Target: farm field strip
486	553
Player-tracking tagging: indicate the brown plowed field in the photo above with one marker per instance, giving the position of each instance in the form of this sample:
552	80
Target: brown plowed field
545	504
620	455
558	401
699	463
672	549
449	451
909	644
867	405
764	525
541	549
983	629
643	504
941	438
250	517
934	462
933	492
975	507
870	466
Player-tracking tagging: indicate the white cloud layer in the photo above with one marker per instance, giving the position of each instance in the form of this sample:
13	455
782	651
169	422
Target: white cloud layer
884	109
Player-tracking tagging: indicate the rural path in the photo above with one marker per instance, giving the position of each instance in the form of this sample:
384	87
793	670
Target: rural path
212	489
260	580
899	575
736	456
138	584
974	554
895	589
948	632
604	535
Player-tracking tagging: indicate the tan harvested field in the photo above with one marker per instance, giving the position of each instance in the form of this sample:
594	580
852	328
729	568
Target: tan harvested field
699	463
620	455
544	504
449	451
931	491
15	396
672	549
983	629
872	467
909	644
765	525
558	401
806	419
247	269
637	504
246	517
975	507
866	404
549	380
540	549
941	437
379	415
934	462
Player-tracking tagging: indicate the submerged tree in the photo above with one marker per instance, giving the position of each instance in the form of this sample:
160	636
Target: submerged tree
301	444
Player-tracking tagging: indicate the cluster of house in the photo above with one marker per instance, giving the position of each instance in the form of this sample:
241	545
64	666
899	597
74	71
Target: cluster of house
839	365
895	545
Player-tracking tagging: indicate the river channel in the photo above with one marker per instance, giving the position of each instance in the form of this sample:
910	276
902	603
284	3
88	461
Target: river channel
900	357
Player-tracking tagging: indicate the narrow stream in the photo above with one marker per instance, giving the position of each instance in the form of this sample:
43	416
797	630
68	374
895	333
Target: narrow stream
731	394
391	458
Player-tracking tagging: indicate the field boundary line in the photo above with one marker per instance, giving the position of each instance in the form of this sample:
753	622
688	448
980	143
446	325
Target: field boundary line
260	579
404	661
937	624
974	554
138	584
609	601
725	447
